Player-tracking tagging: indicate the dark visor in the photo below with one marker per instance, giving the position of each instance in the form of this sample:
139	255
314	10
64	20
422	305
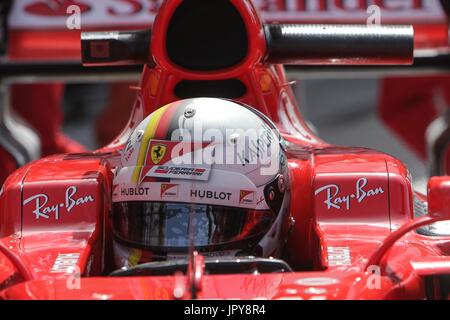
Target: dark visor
166	225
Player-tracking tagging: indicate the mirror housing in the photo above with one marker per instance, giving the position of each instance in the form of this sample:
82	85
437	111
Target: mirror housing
339	44
439	197
438	210
114	48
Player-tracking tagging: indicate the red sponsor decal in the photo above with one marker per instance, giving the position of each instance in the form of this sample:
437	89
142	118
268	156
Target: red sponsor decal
141	13
161	152
135	7
55	8
169	190
115	187
329	5
179	170
246	196
158	151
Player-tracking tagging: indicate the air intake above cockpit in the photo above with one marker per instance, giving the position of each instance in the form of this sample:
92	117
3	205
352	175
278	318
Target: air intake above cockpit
206	35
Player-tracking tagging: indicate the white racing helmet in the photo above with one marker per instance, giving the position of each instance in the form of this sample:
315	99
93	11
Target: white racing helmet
205	172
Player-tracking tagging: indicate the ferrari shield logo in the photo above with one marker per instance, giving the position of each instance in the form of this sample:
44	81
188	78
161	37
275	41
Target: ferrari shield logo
157	152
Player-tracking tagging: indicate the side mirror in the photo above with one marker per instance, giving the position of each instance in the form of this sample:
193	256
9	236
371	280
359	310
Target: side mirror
439	197
339	44
439	210
116	48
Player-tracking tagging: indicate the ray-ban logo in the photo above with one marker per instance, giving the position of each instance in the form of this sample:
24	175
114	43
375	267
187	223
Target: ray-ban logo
44	210
336	200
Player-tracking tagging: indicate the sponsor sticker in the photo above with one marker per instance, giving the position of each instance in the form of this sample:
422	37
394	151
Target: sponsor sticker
157	152
215	254
169	190
134	191
160	157
115	190
317	281
179	172
52	13
208	194
42	208
246	197
335	199
339	256
65	263
51	8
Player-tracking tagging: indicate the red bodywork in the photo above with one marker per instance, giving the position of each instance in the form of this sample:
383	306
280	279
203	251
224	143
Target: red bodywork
345	203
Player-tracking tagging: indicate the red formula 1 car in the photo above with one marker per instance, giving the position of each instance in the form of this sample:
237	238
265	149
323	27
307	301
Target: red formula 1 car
357	228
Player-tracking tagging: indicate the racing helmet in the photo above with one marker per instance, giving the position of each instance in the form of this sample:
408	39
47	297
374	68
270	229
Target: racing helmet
203	173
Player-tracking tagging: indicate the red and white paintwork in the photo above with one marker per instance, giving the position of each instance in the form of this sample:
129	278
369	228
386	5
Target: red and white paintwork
68	197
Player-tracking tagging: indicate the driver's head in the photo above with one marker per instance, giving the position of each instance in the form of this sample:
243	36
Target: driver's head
204	172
